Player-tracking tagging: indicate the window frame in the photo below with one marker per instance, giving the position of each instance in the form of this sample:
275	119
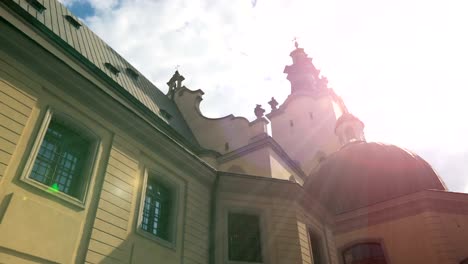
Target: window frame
90	163
173	218
263	232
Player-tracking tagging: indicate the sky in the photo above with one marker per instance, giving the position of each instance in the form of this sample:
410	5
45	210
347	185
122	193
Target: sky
400	66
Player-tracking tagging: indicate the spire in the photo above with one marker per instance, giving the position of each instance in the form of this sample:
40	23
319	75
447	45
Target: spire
302	74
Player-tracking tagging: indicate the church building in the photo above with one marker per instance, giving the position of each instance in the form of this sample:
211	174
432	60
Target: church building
97	165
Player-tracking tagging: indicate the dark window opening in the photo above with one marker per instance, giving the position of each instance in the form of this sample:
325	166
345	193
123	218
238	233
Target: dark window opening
36	5
132	73
311	116
61	160
157	209
73	21
226	146
111	68
291	123
316	245
244	238
365	253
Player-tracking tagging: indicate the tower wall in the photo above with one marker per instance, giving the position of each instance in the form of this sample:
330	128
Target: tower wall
304	127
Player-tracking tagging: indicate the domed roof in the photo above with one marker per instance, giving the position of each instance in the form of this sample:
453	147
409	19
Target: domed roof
361	174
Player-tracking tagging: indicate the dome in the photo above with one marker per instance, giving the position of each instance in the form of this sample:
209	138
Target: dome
362	173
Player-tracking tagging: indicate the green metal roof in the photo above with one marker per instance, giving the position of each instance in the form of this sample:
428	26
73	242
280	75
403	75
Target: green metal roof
58	21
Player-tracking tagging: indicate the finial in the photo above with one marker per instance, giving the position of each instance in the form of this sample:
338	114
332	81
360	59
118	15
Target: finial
259	111
295	42
175	83
273	103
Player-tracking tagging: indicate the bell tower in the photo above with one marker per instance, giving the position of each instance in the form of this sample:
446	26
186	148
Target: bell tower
304	125
302	74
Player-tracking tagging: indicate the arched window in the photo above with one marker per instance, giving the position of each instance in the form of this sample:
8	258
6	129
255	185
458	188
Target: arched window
364	253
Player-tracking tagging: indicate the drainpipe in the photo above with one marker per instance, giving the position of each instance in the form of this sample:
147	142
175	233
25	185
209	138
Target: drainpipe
212	226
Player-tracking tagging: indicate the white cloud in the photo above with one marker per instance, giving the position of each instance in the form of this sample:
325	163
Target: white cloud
400	66
68	2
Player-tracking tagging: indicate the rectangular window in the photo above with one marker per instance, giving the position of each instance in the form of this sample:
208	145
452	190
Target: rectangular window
36	5
157	209
62	159
316	244
73	21
244	239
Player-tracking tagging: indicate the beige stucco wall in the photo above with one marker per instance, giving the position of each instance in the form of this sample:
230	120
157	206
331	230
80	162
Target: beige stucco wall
37	226
35	223
263	162
452	231
254	163
284	224
405	240
279	168
215	133
278	227
308	222
428	237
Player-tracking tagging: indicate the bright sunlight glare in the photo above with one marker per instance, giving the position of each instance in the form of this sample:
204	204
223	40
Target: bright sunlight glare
400	66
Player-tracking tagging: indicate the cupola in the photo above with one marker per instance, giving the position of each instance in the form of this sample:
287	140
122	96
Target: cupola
302	74
349	128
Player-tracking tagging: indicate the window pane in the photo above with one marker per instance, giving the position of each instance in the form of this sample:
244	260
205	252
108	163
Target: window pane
61	159
157	209
244	238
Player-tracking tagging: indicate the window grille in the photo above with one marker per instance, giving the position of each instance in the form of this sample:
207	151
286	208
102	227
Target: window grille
61	160
244	238
157	209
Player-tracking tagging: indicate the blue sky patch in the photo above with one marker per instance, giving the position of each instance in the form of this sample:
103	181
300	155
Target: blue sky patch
81	9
